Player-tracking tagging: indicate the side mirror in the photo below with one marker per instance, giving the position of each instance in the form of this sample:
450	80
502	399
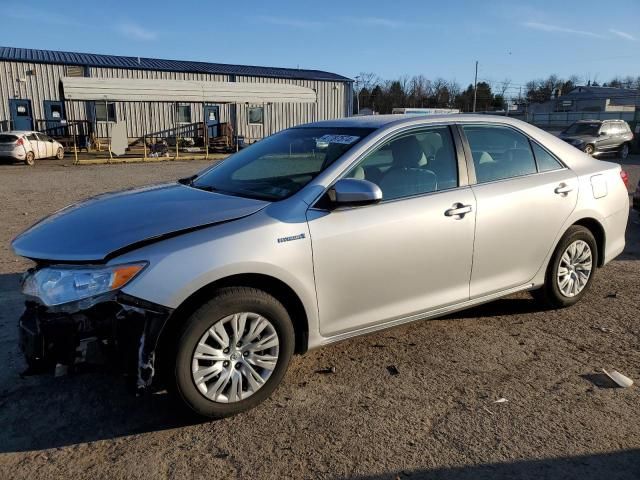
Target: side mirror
602	134
351	191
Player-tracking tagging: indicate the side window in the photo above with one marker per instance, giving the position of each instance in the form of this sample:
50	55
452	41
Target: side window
606	129
32	137
413	164
546	162
499	152
184	113
105	111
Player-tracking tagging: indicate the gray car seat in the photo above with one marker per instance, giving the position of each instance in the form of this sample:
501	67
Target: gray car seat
406	177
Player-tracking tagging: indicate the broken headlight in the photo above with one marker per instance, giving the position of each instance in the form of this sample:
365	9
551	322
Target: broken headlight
64	284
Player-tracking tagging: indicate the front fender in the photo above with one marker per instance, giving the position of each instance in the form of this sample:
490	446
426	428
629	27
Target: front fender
180	266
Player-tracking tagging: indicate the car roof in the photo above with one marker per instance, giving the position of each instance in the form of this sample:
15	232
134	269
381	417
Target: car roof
380	121
18	132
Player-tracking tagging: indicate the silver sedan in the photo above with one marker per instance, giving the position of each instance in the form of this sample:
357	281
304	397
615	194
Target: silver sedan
317	234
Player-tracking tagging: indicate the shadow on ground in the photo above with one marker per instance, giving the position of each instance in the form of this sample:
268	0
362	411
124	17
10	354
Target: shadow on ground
612	466
40	412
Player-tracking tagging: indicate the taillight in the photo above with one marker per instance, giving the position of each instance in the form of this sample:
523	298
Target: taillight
625	178
20	142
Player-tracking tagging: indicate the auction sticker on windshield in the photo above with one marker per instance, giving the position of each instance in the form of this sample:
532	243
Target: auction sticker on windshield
342	139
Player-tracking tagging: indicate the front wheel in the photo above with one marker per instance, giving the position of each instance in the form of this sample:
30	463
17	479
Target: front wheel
589	149
571	269
60	154
624	151
233	352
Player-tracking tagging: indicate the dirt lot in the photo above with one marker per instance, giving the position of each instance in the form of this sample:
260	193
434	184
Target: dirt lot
435	419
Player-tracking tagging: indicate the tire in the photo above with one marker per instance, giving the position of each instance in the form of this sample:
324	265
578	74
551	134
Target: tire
552	294
624	151
60	154
589	149
30	159
225	305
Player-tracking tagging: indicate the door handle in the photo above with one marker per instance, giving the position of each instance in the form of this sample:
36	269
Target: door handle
563	189
458	209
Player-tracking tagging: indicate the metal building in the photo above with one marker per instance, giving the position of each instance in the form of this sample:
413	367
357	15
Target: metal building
41	89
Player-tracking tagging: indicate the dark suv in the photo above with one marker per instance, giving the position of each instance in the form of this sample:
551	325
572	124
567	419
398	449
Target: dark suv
595	137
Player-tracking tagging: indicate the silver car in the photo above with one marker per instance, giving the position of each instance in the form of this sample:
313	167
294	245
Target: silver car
28	146
314	235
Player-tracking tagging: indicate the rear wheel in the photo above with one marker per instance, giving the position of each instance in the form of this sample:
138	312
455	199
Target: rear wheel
624	151
233	352
589	149
570	270
30	158
60	154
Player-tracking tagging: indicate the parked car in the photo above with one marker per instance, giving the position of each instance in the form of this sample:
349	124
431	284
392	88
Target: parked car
28	146
596	137
314	235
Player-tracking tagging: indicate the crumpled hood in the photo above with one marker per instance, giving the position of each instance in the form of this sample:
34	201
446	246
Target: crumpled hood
92	230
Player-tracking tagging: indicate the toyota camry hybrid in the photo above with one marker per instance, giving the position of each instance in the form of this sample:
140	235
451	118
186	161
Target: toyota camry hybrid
319	233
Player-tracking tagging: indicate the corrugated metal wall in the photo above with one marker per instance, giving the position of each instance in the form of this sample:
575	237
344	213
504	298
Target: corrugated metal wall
36	82
331	104
146	117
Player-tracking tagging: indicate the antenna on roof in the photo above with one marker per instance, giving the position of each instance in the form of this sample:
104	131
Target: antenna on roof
138	60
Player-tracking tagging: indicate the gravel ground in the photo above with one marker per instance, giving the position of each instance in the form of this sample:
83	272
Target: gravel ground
436	418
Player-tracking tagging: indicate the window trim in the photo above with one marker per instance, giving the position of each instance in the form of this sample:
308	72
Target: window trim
472	168
464	178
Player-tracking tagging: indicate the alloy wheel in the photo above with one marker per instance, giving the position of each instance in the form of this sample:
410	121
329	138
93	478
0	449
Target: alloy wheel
235	357
575	268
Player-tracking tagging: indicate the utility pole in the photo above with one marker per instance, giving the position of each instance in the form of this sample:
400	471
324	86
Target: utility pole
475	88
358	93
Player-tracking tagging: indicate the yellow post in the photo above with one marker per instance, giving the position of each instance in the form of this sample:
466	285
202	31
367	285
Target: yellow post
144	144
206	141
75	148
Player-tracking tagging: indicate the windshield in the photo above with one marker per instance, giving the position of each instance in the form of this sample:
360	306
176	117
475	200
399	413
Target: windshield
583	129
280	165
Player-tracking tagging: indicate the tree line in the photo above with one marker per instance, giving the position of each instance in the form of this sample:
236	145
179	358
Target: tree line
420	92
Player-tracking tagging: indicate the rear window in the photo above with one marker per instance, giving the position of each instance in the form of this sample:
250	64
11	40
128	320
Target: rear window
8	138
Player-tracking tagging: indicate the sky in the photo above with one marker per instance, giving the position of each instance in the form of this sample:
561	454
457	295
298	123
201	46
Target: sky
512	40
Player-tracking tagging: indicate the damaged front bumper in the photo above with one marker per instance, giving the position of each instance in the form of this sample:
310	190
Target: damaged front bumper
112	328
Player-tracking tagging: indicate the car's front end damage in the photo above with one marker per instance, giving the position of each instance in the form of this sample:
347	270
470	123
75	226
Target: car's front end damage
76	309
109	327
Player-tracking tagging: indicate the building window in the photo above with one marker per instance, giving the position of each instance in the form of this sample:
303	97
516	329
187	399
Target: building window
56	112
184	113
74	71
106	112
256	115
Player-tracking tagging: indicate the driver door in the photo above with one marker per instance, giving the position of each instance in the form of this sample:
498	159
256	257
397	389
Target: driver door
405	256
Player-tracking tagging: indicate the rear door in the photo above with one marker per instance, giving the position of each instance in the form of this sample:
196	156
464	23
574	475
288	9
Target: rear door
608	138
45	145
32	143
524	195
